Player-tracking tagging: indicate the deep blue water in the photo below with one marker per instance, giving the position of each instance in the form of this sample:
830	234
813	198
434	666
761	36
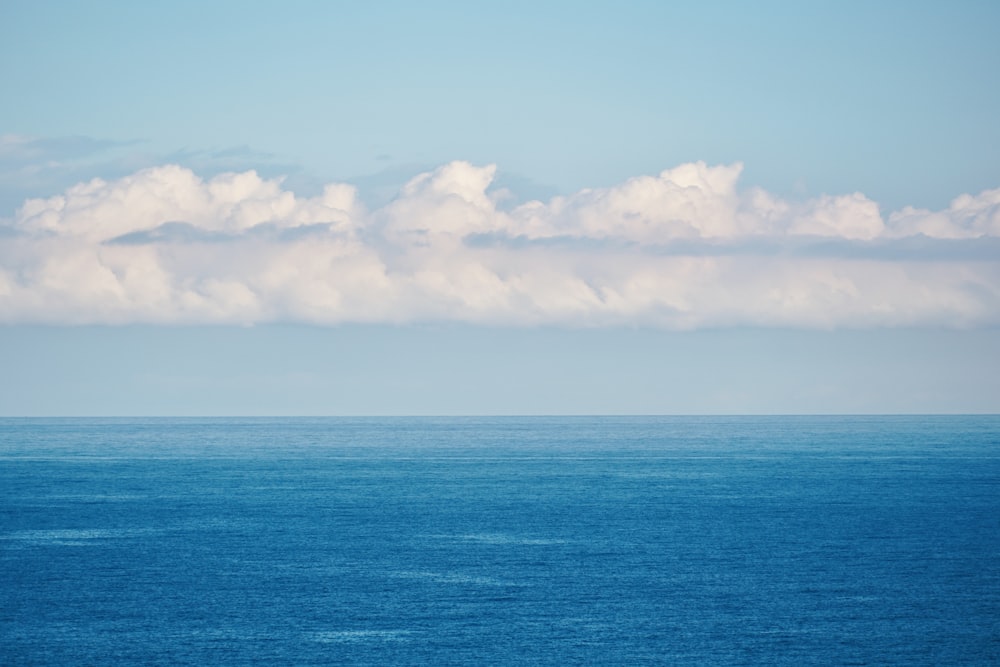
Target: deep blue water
781	540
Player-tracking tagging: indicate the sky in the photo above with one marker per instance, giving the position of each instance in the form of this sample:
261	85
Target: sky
261	208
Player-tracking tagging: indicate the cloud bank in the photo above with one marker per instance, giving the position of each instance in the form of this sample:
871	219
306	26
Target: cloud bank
685	249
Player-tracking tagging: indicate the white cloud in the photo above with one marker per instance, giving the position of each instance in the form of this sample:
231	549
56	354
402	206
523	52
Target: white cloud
685	249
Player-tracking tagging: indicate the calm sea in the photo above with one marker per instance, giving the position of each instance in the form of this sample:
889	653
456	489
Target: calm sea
661	540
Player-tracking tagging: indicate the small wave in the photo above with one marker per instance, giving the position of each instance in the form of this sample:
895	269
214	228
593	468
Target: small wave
354	636
448	578
93	497
501	538
74	535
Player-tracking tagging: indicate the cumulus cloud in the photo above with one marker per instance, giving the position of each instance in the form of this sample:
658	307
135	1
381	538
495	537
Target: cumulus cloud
39	166
687	248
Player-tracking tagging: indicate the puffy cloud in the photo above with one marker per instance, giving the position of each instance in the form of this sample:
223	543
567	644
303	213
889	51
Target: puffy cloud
687	248
969	216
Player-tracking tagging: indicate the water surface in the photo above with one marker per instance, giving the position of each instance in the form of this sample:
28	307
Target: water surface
660	540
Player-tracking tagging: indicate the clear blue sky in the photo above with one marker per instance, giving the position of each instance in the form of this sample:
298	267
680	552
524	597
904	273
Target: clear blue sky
897	101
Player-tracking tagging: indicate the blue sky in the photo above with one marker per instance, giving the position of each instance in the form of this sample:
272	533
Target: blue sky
715	183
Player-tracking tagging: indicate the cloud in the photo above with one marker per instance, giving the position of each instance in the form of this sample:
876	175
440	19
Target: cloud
38	166
687	248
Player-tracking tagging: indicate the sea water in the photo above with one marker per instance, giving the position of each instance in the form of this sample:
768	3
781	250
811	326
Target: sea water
659	540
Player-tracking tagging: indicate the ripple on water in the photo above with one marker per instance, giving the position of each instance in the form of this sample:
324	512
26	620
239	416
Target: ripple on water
500	539
356	636
448	578
73	536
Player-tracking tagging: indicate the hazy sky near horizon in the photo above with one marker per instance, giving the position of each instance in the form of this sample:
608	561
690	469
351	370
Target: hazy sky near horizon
454	208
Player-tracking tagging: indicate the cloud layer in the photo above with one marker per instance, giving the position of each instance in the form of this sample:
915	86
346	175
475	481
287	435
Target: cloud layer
685	249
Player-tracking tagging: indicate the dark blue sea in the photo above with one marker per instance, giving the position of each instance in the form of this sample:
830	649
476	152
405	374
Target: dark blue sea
602	541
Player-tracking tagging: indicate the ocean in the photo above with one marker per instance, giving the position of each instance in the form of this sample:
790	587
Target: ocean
500	541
